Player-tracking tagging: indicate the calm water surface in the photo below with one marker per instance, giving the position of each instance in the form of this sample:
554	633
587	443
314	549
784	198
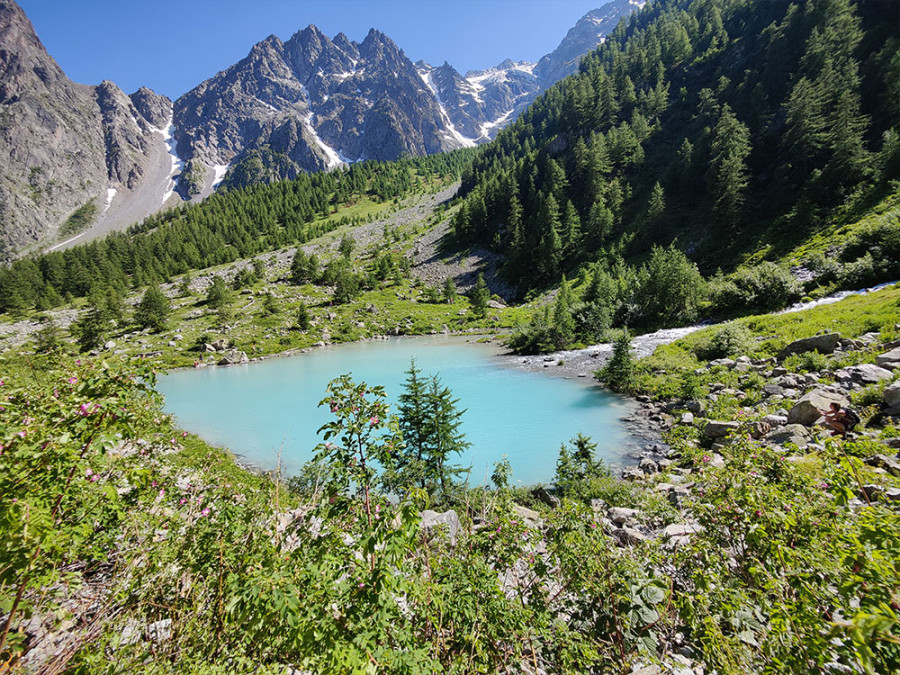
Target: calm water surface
262	409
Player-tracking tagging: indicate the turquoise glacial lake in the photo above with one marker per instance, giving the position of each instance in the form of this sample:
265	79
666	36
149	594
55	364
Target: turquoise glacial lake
270	408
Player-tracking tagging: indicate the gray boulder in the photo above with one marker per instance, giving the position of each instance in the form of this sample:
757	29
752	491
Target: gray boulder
432	520
889	359
628	536
620	515
889	464
717	429
892	396
233	358
868	373
824	344
807	410
792	433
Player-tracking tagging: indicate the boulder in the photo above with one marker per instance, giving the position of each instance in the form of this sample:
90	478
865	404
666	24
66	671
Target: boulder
716	429
526	514
647	465
773	389
892	396
687	418
889	359
681	530
628	536
620	515
807	411
868	373
889	464
221	344
792	433
448	519
727	363
233	357
824	344
540	493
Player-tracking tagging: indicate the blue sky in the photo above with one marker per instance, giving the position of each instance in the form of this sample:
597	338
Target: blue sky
173	46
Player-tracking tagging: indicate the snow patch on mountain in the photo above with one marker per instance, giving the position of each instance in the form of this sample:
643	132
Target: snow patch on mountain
451	132
333	158
110	193
177	165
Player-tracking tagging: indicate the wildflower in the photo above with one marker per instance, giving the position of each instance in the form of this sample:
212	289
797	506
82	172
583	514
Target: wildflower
823	485
95	478
182	501
758	514
153	484
21	434
373	421
205	512
705	458
361	584
184	434
84	410
73	380
162	493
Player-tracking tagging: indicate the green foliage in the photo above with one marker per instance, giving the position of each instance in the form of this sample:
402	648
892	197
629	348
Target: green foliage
429	422
154	310
303	318
619	372
448	292
479	296
270	305
218	295
80	220
730	339
304	268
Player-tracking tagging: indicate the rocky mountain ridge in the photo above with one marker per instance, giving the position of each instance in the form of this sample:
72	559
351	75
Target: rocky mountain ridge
67	147
80	161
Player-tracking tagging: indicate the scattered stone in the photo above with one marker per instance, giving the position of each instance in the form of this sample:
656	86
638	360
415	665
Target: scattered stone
717	429
109	345
677	530
628	536
448	519
867	373
792	433
620	515
824	344
647	465
728	363
773	390
807	411
889	359
687	418
526	513
233	357
892	396
221	344
541	494
889	464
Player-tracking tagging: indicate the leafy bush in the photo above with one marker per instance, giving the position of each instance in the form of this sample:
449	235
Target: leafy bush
730	339
763	287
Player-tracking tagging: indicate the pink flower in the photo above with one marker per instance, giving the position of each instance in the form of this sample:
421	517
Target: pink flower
361	584
162	493
73	380
373	421
88	471
21	434
95	478
204	512
154	484
85	409
705	458
184	434
182	501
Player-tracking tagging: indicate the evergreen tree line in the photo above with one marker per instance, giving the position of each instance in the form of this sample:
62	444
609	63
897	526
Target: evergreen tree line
723	123
230	225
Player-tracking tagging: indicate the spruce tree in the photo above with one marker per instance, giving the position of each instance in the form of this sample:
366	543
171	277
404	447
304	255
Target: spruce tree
479	297
153	311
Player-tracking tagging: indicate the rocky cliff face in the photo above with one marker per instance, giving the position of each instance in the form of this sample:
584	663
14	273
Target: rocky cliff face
62	145
317	100
582	38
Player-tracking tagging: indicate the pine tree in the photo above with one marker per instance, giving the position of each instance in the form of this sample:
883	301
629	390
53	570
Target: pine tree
619	371
153	311
730	147
449	291
303	318
412	411
563	323
479	297
444	437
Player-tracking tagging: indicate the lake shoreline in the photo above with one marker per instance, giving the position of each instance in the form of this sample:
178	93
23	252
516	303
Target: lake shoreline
642	436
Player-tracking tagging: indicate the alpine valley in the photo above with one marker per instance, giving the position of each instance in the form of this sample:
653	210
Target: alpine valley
686	220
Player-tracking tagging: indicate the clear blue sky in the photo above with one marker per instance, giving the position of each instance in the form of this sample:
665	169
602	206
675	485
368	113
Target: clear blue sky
172	46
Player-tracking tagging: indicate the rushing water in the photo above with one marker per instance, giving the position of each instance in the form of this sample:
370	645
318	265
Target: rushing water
261	410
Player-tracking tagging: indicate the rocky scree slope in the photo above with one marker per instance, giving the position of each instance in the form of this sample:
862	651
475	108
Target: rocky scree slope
64	145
